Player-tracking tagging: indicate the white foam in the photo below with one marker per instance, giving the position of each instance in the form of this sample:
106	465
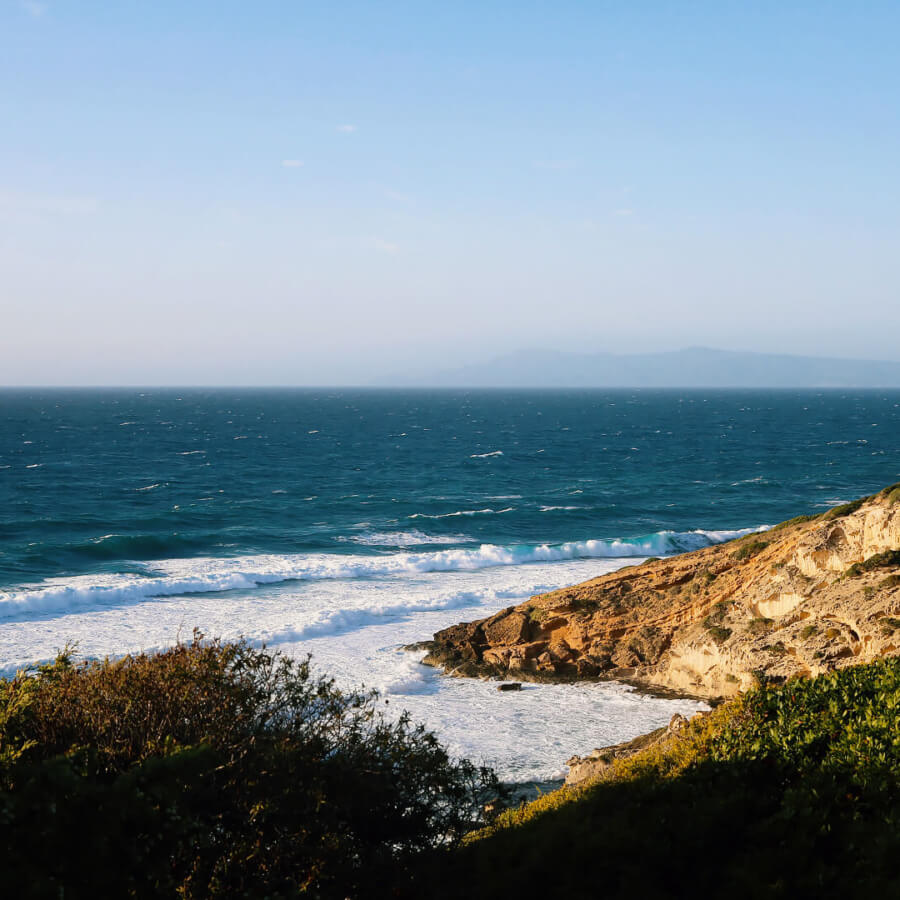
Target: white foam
340	621
414	538
486	455
463	512
213	574
355	628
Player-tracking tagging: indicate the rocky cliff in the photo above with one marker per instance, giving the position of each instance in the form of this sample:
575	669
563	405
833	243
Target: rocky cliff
810	595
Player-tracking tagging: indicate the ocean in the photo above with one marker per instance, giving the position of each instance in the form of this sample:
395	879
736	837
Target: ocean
350	523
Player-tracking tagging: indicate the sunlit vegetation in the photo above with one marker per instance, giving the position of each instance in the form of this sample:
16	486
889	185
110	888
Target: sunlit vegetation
845	509
886	560
749	548
797	520
790	790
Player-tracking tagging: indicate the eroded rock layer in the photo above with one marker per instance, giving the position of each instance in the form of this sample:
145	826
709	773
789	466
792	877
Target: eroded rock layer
807	596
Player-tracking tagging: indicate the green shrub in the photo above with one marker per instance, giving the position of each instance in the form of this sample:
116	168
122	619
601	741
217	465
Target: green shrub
789	791
797	520
808	631
718	633
891	581
215	770
845	509
892	493
760	625
750	548
884	560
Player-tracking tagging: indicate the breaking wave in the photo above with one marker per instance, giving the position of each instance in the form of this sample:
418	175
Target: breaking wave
211	575
463	512
414	538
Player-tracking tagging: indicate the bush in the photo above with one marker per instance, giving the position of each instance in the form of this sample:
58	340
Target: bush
845	509
760	625
751	548
212	770
797	520
788	791
884	560
719	633
808	631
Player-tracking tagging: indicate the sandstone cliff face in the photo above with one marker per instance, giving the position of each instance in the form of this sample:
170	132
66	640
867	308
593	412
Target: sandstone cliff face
805	597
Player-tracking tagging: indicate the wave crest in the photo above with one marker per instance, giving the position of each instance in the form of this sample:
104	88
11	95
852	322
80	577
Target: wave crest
212	575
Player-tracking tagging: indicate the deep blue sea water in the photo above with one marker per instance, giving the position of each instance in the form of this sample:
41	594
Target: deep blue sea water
101	480
339	520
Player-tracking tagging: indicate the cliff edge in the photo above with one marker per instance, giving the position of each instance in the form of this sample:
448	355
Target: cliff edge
813	594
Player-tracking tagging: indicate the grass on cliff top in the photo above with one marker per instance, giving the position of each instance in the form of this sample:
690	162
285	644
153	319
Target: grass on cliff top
790	791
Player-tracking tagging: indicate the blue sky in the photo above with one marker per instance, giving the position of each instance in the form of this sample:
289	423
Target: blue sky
322	193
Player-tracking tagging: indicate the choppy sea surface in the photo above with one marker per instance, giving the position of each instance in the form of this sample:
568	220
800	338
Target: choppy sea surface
348	524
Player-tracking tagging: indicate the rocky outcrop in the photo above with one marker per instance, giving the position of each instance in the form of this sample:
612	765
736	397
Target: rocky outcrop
807	596
595	763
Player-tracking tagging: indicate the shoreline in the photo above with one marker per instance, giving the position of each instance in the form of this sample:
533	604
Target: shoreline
808	596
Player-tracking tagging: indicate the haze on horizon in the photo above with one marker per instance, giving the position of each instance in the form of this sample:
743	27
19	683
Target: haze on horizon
279	193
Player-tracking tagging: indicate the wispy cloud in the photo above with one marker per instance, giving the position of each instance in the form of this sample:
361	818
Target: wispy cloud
34	8
346	129
292	163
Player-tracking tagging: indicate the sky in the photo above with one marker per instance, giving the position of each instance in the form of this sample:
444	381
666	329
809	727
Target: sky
327	193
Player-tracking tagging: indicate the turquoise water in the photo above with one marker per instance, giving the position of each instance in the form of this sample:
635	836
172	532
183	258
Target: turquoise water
348	523
108	481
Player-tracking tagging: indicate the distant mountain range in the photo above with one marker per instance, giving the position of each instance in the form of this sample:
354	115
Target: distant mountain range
692	367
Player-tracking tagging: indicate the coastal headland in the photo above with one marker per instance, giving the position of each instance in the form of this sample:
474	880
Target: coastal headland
808	596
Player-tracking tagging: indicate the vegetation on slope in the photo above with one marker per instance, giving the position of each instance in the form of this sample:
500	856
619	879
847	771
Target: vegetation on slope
791	790
215	770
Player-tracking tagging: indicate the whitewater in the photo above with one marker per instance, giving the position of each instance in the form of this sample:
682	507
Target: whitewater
350	525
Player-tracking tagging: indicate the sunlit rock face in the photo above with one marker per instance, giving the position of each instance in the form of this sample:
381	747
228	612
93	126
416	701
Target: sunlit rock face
800	599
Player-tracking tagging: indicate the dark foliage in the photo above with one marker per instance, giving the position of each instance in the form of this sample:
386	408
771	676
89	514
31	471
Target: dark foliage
215	770
791	791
